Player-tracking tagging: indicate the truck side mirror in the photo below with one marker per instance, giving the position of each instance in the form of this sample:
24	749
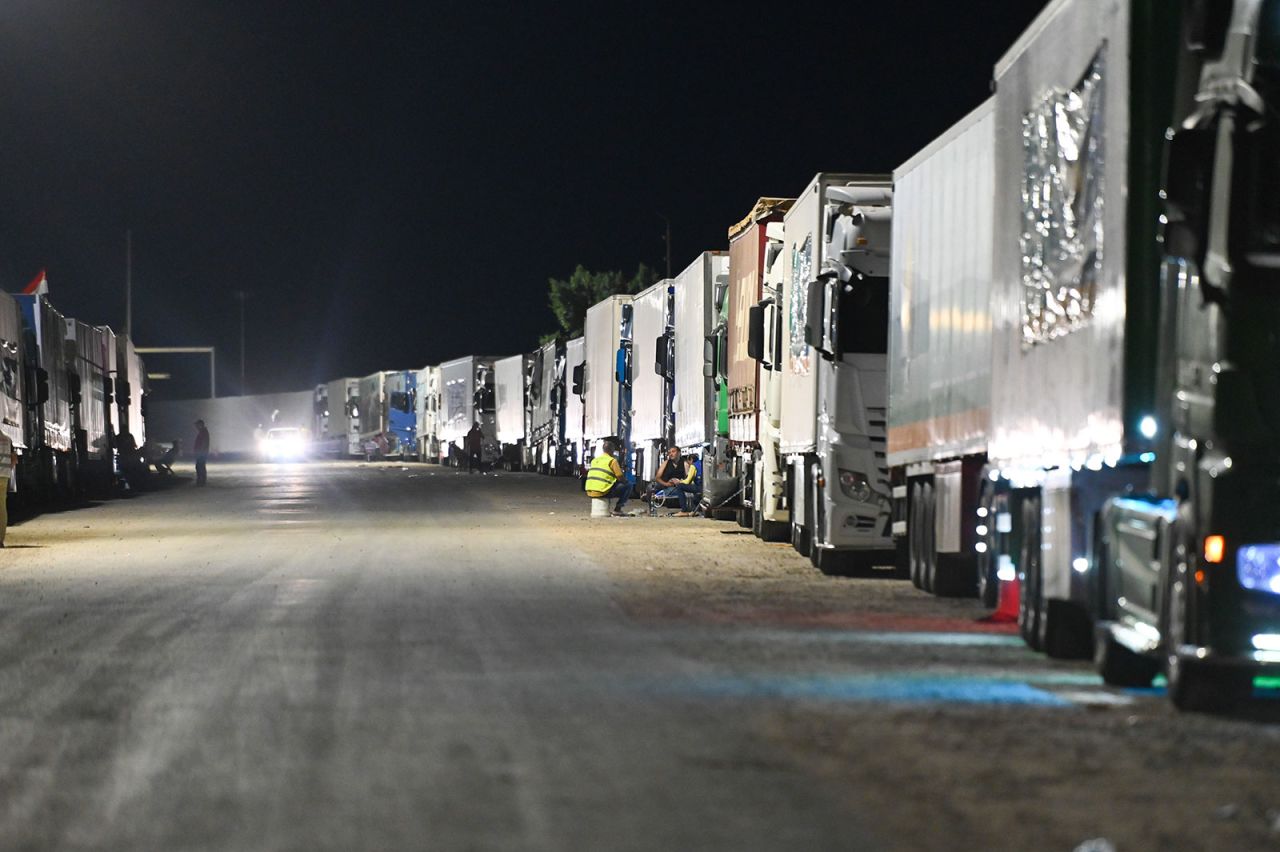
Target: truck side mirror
108	390
820	326
662	355
622	364
123	393
42	386
719	291
353	410
755	332
722	352
321	407
709	357
579	379
145	404
73	387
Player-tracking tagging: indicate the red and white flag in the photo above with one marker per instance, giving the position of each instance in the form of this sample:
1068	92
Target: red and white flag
39	285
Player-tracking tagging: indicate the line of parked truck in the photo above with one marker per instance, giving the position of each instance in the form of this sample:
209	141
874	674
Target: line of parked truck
1043	351
73	398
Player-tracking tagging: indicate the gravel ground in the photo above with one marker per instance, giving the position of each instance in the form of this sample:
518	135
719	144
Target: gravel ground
398	657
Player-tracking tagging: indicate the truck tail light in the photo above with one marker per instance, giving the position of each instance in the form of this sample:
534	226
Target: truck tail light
1215	548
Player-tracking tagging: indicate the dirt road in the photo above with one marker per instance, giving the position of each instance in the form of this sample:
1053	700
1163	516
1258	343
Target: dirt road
402	657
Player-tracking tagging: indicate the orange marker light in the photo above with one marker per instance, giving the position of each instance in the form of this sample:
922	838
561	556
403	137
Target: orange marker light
1215	548
1200	575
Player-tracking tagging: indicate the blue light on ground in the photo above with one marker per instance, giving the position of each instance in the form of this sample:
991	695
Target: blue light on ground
895	689
889	637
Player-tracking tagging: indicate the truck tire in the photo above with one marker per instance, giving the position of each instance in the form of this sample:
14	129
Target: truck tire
1195	686
1029	574
1066	631
746	518
776	531
988	562
953	576
1118	666
929	538
1199	687
914	545
801	528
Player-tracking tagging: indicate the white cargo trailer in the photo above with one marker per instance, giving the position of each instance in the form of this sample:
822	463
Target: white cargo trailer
574	411
337	432
834	384
510	377
940	353
428	414
651	389
467	398
13	412
698	291
602	341
87	362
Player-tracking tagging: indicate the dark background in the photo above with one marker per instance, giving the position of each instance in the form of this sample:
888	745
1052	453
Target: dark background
394	183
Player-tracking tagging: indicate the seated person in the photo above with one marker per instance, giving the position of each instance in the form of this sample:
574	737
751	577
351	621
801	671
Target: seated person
607	480
678	477
164	464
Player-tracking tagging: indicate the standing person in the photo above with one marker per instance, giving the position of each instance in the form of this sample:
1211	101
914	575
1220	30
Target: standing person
8	459
475	448
201	449
605	479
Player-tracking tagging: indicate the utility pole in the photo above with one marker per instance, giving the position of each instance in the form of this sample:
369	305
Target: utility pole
240	295
667	240
128	283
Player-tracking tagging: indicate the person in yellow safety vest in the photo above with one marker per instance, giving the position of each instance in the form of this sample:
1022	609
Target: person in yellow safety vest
605	479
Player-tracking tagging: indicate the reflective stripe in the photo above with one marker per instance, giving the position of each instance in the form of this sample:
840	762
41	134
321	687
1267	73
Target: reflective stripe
600	478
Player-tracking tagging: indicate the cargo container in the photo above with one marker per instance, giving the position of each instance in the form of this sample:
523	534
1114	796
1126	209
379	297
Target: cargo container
337	429
1134	433
130	392
428	414
651	385
747	247
940	354
771	518
13	411
511	409
467	397
88	366
834	389
606	411
699	290
47	471
574	410
554	434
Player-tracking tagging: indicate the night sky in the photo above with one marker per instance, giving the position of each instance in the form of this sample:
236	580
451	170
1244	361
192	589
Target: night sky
393	184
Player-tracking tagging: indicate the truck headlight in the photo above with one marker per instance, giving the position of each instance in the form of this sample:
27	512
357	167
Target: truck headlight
856	486
1258	567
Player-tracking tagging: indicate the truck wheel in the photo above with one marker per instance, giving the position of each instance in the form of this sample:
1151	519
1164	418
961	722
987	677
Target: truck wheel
802	528
1119	666
1065	631
1201	687
928	538
746	518
913	537
988	562
1029	574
